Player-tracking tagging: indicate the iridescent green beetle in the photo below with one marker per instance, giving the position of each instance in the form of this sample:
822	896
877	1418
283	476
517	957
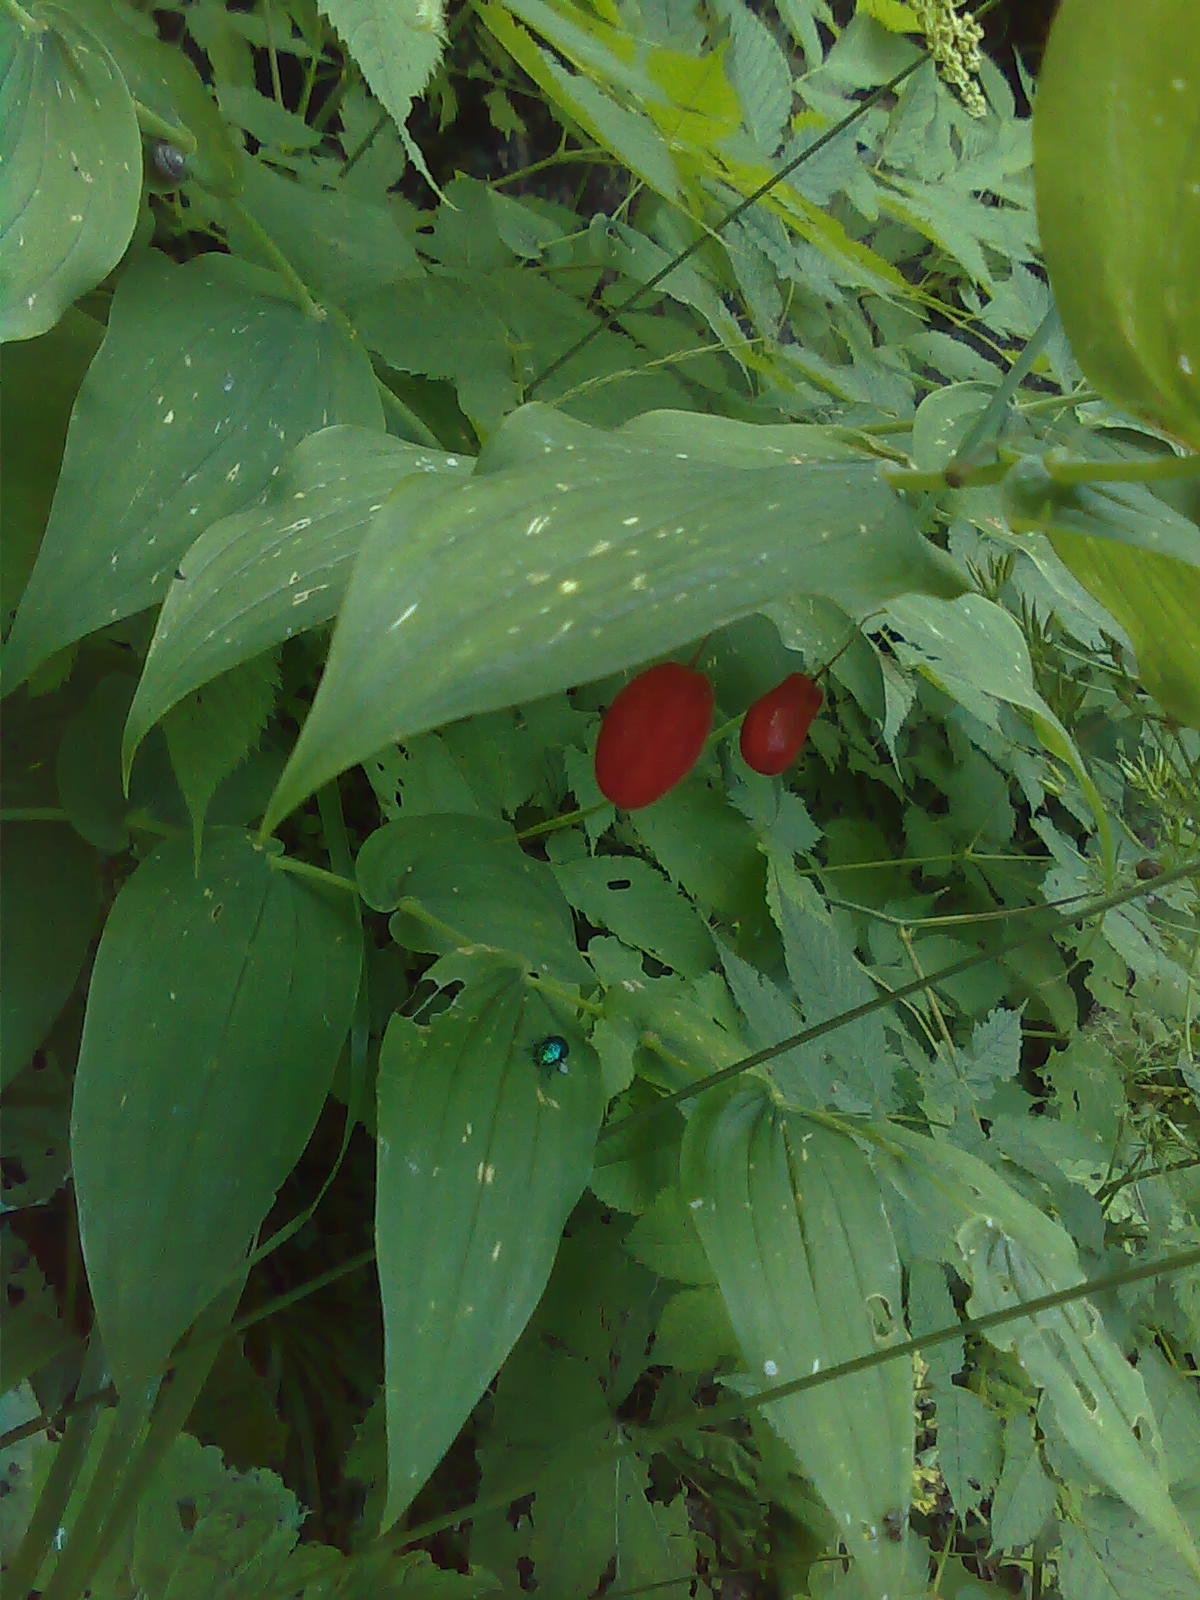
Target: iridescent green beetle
552	1052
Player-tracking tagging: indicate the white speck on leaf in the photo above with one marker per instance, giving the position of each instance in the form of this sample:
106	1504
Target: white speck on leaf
771	1369
568	586
403	617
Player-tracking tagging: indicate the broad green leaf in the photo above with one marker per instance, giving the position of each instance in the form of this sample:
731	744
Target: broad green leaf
1126	513
257	577
1116	136
396	43
72	162
163	78
218	1004
968	1436
973	649
1024	1497
1010	1252
211	731
460	881
481	1159
572	553
50	895
1156	599
1107	1553
205	382
790	1216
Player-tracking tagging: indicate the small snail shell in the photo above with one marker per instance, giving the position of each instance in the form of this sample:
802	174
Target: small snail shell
168	161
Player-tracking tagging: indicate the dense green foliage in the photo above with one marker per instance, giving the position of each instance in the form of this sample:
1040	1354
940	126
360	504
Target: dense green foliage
501	1178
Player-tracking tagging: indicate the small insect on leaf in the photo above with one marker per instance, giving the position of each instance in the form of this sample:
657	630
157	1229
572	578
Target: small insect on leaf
776	725
652	734
551	1053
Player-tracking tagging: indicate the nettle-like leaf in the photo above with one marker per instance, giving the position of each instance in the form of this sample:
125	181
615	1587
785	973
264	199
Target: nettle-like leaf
205	382
1129	295
1010	1252
789	1213
219	1001
258	577
72	162
567	553
211	731
482	1155
975	651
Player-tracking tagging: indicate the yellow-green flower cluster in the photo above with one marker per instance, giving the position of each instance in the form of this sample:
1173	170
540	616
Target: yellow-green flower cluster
954	41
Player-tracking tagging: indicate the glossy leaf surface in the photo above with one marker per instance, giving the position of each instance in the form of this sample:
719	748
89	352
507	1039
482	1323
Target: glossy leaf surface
652	734
260	576
1117	168
560	551
481	1158
790	1218
72	163
218	1004
205	382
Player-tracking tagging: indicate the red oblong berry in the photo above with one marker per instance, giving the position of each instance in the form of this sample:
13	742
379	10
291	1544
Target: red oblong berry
776	725
652	734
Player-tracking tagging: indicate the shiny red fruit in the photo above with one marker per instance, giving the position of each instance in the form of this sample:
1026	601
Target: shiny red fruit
652	734
776	725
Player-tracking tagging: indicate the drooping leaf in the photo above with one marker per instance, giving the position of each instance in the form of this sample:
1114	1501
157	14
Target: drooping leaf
257	577
566	552
72	162
50	895
204	383
465	878
790	1216
218	1004
482	1155
1128	290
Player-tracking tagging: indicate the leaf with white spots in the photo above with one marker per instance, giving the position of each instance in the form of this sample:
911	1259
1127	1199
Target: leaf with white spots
572	553
71	159
218	1004
205	383
259	576
789	1213
482	1154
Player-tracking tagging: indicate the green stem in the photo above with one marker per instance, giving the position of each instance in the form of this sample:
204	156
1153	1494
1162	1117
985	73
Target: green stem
279	261
731	1410
1155	471
421	432
567	819
908	478
29	23
305	869
1096	908
34	814
150	122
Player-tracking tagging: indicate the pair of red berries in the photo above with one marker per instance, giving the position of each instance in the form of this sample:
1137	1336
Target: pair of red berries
655	729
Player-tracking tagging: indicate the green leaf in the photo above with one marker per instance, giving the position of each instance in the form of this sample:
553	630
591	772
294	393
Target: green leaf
627	896
397	43
50	894
260	576
1156	600
572	553
1011	1252
205	382
461	881
481	1159
973	649
210	731
790	1215
72	162
968	1445
1024	1497
1128	290
1109	1554
218	1004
